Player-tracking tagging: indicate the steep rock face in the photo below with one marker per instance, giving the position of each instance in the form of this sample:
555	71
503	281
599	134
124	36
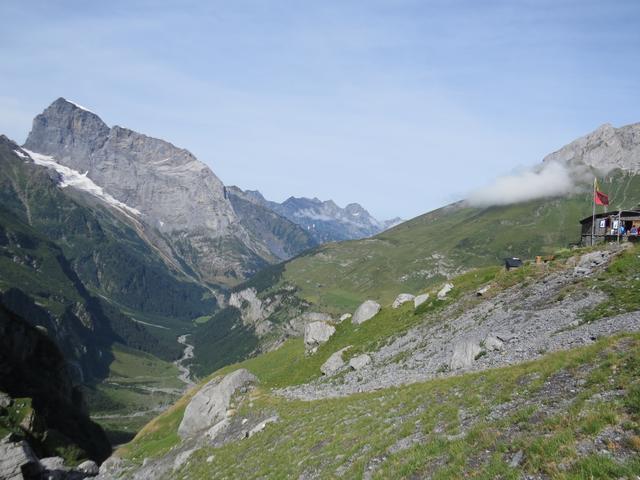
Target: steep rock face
31	366
606	148
174	192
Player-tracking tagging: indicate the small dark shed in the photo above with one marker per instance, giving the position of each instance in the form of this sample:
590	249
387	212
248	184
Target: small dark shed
513	262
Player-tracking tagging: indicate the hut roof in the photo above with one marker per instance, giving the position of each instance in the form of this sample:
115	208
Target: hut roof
623	214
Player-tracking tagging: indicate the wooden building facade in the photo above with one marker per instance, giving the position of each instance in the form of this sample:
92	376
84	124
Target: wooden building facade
610	227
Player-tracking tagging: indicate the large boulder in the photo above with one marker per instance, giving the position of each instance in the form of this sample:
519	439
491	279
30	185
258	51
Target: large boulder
402	298
334	362
446	288
209	406
492	342
16	459
365	312
316	333
420	299
360	361
464	354
89	467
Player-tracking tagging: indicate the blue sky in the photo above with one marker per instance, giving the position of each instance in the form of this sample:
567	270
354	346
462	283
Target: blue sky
400	105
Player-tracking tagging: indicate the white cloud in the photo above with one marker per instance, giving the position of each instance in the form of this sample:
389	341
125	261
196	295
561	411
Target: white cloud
551	180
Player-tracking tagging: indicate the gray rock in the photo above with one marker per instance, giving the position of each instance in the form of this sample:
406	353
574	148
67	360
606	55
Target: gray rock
89	467
491	343
299	323
17	458
334	362
261	426
483	290
218	428
464	354
517	459
402	298
5	400
53	463
365	312
111	466
589	261
316	333
359	362
345	316
446	288
210	404
420	299
182	458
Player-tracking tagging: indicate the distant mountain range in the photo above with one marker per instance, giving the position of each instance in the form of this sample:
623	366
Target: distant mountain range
323	220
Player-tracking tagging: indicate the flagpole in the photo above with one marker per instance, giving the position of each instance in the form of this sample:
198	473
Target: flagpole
593	215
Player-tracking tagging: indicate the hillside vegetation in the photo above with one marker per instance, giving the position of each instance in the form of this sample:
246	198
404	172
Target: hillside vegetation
570	414
420	253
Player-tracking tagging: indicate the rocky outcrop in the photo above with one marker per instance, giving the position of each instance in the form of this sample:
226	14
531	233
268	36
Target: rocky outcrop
420	299
334	363
366	311
17	460
298	324
33	369
402	299
359	362
446	288
344	316
316	333
464	353
209	406
492	343
589	261
604	149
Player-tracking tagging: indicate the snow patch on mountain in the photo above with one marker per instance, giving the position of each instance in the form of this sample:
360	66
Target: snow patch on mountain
72	178
79	106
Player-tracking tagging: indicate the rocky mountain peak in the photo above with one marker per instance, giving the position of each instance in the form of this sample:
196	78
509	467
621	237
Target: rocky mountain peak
605	149
66	126
175	193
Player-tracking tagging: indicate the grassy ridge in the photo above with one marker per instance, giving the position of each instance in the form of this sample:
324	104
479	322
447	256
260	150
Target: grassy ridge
338	277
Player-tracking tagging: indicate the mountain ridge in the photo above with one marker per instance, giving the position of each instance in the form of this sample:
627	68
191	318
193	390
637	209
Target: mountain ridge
324	220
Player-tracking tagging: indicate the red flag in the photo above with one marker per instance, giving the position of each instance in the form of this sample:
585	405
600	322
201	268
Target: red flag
601	198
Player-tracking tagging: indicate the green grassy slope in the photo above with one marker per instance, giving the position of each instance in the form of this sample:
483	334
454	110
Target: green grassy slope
470	425
419	253
455	422
460	435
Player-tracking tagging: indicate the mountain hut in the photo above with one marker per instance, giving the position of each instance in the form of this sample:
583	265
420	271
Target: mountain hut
608	227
